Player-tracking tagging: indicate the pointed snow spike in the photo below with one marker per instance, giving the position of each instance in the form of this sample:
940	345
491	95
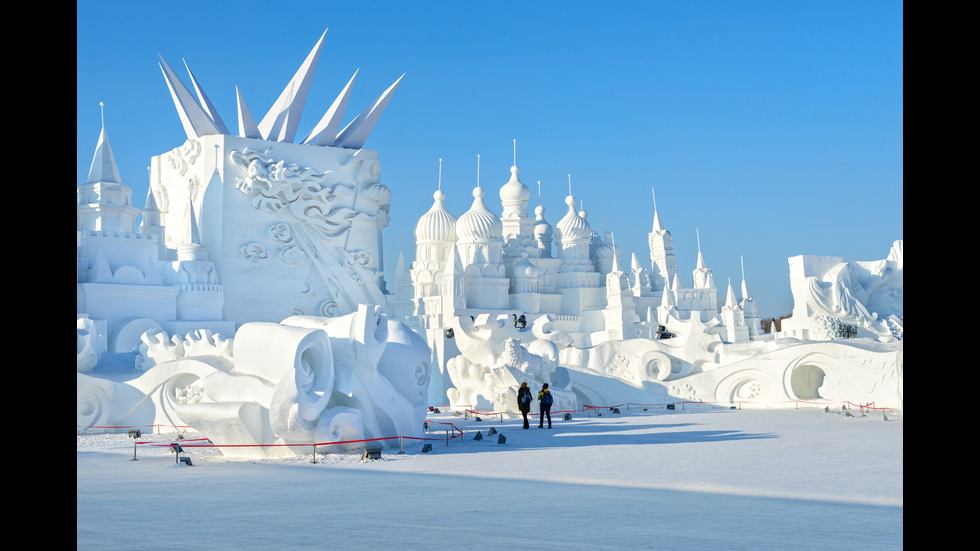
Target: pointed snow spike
196	122
246	124
281	121
205	102
151	201
326	130
730	299
357	132
103	167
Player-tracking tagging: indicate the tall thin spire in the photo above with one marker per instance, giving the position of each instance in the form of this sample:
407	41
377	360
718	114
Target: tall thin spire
440	174
246	123
745	290
103	169
356	133
700	258
615	266
194	119
282	119
205	102
657	224
325	132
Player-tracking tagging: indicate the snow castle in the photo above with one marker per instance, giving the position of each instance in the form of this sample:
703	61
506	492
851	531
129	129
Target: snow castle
576	309
250	301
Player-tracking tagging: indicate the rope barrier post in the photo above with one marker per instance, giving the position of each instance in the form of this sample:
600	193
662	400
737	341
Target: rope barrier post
401	445
134	434
447	437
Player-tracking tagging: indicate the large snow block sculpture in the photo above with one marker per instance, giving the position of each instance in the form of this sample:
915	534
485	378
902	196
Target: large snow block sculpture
292	229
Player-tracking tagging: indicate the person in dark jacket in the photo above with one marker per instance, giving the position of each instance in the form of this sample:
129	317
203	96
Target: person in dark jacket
545	399
524	402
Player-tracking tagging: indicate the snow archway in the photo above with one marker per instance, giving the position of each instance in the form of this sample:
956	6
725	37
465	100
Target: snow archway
812	377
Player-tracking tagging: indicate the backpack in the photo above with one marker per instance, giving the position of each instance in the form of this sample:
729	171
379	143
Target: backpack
547	399
526	398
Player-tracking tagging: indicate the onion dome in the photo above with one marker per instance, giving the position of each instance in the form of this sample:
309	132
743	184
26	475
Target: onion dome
479	223
542	229
572	226
437	224
514	191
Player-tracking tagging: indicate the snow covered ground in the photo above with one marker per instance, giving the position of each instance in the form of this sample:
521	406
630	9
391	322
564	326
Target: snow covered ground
691	479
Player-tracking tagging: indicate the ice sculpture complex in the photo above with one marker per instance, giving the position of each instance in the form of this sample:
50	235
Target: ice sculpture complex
602	333
249	302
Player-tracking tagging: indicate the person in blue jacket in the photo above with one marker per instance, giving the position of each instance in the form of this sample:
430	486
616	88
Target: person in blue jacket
524	402
545	399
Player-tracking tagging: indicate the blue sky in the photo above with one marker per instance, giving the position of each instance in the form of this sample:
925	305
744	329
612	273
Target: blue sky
773	128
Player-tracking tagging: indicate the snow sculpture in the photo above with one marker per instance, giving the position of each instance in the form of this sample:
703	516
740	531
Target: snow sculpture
833	296
493	363
276	389
294	231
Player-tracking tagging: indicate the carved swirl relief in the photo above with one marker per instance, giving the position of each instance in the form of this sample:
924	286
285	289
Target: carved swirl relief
312	197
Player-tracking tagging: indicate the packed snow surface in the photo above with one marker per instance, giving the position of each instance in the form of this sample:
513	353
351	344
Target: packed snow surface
639	479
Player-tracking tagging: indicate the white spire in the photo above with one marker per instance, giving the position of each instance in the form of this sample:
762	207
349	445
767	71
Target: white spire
745	290
657	224
730	300
206	104
103	169
615	265
325	132
700	258
195	120
282	119
246	124
357	132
